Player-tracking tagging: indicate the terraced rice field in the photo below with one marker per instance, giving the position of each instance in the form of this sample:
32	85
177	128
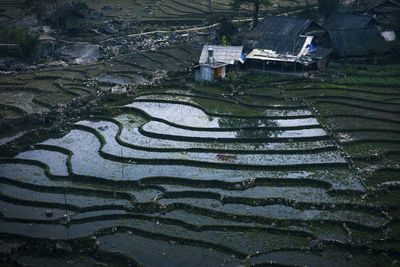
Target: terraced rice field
32	93
191	175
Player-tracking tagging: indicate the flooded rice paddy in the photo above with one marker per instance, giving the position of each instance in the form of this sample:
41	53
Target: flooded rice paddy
186	178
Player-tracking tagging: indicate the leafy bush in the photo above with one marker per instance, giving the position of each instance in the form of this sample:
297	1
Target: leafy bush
26	41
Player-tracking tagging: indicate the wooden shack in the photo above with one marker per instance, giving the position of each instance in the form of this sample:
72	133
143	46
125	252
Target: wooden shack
287	53
285	26
216	60
387	15
353	35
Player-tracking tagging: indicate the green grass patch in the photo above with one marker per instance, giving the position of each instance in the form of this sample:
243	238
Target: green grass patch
338	109
367	70
55	98
44	85
370	149
371	80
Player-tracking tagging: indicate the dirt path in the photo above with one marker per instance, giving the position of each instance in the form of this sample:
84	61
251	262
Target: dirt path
193	29
176	31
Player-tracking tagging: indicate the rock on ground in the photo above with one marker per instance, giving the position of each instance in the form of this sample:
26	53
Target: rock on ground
80	53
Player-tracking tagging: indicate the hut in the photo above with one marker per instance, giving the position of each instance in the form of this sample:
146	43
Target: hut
366	6
353	35
216	60
281	25
287	53
287	45
387	15
347	21
357	42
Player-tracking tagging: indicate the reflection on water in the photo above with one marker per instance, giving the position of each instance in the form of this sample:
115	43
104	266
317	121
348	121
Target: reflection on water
163	130
250	123
130	134
188	116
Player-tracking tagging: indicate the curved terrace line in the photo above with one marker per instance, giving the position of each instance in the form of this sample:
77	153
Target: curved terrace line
271	201
199	149
210	138
180	102
341	89
279	222
304	125
365	140
174	222
356	106
231	100
311	97
195	162
83	191
16	109
149	182
361	117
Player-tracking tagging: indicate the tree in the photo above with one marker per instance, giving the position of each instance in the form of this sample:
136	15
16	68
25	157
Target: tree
256	4
326	7
226	28
40	7
83	10
26	41
307	8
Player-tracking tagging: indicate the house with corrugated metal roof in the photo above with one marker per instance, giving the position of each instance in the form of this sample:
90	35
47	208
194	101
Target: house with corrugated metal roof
287	53
357	42
387	17
281	25
386	14
353	35
366	6
216	60
344	21
287	45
